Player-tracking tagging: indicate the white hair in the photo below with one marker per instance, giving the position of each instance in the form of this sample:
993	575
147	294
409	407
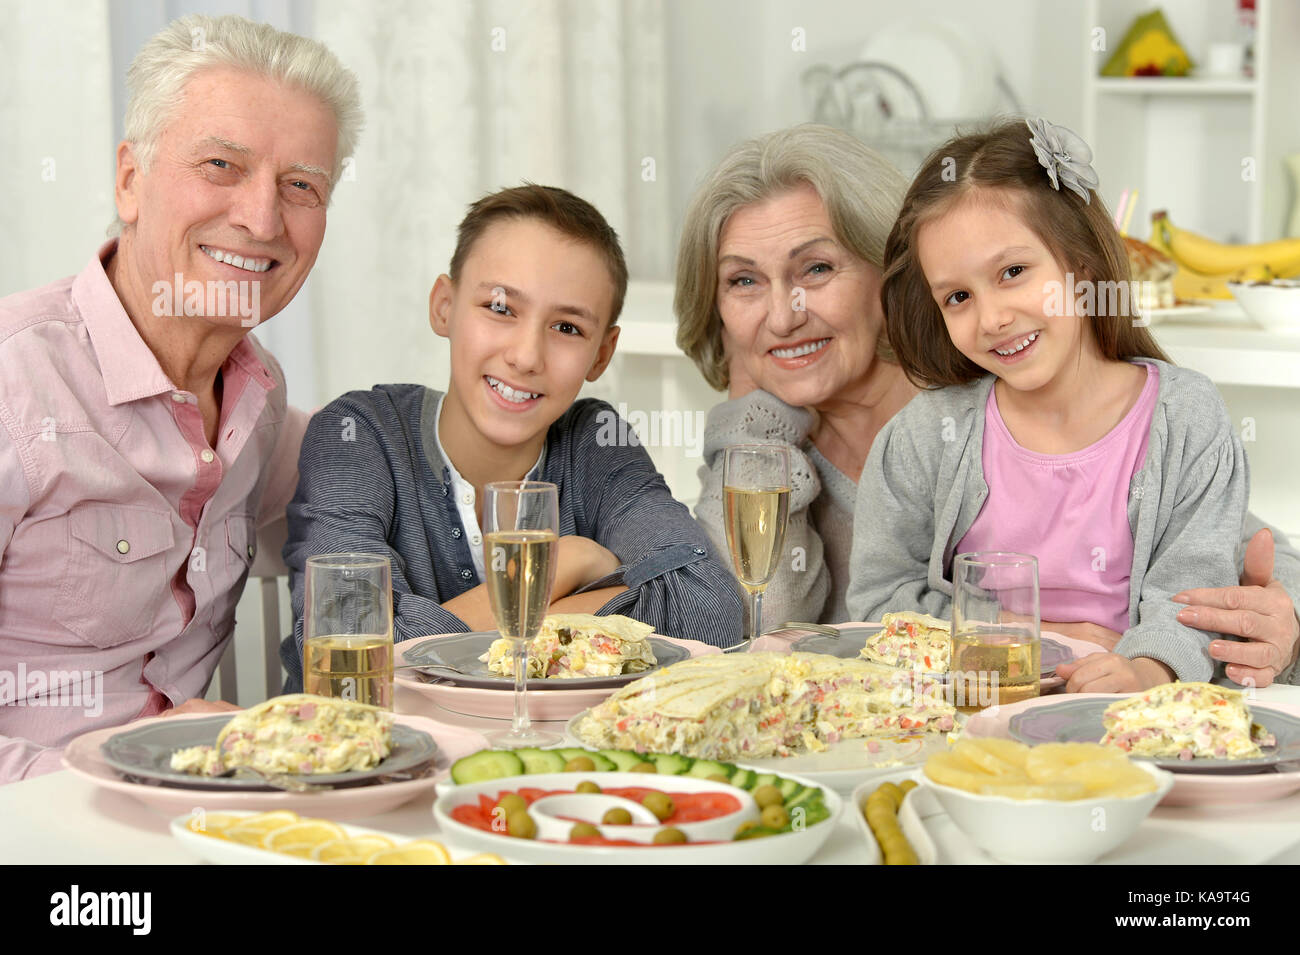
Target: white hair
170	58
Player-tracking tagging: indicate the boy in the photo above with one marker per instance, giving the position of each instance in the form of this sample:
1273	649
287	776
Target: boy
529	307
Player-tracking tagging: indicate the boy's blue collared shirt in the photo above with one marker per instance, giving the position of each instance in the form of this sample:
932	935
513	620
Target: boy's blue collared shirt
372	480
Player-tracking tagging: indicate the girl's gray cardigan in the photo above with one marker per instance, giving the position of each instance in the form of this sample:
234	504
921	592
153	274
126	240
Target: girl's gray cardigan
923	486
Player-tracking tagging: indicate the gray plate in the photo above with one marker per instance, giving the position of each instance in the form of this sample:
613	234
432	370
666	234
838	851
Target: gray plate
852	639
464	649
1079	721
146	751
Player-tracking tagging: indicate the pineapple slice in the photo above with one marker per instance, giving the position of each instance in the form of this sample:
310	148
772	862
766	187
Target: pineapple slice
1062	790
1006	752
1047	761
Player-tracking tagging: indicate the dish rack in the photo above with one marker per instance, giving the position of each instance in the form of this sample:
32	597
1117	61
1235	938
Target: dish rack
882	106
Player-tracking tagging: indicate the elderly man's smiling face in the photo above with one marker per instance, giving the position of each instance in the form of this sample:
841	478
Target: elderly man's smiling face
236	190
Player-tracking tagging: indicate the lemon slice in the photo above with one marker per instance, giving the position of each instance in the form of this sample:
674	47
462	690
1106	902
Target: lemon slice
213	823
251	830
307	833
420	852
354	851
483	858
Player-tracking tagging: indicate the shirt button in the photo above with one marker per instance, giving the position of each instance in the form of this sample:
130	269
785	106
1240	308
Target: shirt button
476	540
455	532
701	551
123	547
467	497
207	456
467	573
250	550
177	397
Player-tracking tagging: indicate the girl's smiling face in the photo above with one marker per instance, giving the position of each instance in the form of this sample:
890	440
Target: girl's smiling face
998	288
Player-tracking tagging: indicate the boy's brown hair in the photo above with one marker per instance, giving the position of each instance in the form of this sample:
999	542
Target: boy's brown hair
1000	163
558	208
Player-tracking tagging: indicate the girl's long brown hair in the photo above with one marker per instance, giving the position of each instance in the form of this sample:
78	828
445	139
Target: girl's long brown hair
1081	236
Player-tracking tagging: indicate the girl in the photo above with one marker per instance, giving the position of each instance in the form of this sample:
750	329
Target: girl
1053	425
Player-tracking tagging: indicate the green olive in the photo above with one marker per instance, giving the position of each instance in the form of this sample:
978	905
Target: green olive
775	817
580	764
768	796
894	794
583	830
617	817
521	825
907	785
512	803
587	786
719	778
644	768
669	836
661	804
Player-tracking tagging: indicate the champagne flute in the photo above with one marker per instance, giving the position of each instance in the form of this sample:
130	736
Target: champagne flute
996	648
521	522
756	505
347	628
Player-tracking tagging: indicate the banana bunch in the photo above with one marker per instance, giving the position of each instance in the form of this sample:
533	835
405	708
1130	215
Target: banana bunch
1205	267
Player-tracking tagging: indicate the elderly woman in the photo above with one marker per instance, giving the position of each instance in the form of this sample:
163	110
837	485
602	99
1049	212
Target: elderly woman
778	281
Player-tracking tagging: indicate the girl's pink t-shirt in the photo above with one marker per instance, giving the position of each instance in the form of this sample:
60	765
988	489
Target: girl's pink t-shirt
1068	510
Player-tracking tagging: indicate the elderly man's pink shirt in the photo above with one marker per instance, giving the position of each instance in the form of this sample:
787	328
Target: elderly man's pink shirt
125	538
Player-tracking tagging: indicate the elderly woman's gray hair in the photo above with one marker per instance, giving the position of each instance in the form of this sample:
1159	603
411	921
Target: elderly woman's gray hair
158	74
862	193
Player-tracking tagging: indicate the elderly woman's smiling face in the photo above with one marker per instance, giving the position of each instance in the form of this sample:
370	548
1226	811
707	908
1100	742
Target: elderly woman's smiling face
801	313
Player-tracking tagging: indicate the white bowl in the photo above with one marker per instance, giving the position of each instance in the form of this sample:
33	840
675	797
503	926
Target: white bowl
1276	305
789	848
1075	831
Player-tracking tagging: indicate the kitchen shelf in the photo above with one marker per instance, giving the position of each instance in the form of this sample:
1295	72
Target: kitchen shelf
1232	350
1176	86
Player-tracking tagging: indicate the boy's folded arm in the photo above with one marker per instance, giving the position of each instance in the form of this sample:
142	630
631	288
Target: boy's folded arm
1197	549
335	512
893	529
676	578
761	418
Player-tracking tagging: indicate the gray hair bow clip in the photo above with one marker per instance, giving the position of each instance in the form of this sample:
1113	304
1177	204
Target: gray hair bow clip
1065	156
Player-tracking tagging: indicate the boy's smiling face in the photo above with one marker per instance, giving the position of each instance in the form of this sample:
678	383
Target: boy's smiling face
529	322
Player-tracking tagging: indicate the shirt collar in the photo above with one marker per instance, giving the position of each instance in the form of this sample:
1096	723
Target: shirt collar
534	473
129	369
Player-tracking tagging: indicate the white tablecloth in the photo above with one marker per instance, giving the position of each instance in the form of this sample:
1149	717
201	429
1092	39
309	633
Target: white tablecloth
62	819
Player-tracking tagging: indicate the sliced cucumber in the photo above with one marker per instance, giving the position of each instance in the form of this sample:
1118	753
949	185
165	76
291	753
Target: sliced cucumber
809	797
541	760
622	759
703	768
670	763
789	788
603	763
744	778
766	779
486	764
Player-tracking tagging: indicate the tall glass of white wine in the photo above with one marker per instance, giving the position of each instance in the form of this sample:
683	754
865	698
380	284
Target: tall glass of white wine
996	645
347	628
756	505
521	522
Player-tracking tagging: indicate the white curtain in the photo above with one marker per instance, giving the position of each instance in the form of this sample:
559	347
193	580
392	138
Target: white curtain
462	99
56	138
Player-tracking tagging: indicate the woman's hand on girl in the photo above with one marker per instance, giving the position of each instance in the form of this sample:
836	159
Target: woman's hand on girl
1259	610
1112	673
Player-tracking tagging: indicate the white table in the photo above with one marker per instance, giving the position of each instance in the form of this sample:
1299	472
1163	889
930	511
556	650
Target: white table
61	819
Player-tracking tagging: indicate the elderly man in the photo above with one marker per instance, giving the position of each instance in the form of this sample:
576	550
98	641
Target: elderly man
144	433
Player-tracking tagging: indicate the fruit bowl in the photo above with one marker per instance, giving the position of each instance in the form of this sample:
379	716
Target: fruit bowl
1274	305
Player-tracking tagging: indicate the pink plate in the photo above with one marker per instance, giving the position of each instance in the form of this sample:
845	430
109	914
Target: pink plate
1190	789
553	705
82	757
